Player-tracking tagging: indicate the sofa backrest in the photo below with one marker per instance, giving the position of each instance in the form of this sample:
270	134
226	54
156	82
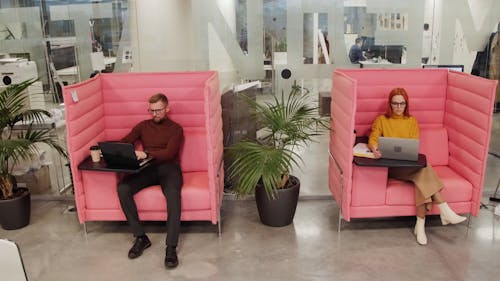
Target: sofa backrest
434	144
426	90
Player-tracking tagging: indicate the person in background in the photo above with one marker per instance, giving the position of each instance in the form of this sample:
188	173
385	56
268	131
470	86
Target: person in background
161	139
355	53
397	122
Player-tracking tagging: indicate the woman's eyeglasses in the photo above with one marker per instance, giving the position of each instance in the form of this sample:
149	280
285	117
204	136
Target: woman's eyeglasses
400	104
156	111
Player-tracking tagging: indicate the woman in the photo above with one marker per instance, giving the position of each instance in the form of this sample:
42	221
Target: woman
397	122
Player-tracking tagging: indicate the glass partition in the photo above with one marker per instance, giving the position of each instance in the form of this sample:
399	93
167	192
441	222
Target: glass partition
279	42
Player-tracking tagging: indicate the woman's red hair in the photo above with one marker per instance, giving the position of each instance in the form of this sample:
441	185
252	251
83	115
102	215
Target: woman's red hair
396	92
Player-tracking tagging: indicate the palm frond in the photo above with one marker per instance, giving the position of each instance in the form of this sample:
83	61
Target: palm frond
292	122
20	131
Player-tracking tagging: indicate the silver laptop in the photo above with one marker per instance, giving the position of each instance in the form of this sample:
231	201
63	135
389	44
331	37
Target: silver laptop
398	148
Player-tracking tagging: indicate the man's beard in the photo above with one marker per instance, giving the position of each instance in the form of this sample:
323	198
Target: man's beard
158	120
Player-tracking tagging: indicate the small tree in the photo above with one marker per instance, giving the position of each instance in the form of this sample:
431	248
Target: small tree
20	144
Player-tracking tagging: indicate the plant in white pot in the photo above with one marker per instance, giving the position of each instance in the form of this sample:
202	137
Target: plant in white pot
20	134
263	166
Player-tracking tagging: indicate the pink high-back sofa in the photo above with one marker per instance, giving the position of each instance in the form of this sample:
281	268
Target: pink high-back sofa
107	106
454	111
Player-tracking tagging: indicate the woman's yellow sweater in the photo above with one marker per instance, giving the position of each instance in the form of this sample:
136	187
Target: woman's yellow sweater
395	126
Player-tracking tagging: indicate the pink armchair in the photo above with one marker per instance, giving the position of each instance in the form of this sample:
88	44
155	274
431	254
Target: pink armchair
454	111
107	106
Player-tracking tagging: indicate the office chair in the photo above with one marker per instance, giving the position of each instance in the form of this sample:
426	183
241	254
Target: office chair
11	262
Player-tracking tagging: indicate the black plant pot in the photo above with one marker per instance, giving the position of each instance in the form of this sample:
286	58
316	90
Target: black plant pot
15	213
280	211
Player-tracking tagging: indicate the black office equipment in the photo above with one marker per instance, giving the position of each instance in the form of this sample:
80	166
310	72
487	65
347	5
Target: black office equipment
456	67
118	154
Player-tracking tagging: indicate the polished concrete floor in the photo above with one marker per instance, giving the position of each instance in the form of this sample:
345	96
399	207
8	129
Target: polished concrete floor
55	247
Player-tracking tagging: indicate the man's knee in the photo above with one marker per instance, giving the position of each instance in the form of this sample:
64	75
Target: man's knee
169	169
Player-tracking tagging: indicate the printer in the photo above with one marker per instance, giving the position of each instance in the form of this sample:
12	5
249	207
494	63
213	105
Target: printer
16	70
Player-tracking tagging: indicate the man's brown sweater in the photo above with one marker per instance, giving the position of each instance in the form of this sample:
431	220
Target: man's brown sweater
161	140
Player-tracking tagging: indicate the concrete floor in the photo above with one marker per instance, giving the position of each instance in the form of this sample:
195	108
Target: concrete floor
54	246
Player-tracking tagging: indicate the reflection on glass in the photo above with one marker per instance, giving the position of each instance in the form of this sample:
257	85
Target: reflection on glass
241	24
12	31
61	28
316	45
392	21
360	24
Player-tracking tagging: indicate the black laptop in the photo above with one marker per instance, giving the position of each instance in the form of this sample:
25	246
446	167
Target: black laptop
121	155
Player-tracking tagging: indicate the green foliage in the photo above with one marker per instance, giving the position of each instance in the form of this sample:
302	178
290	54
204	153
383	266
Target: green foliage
19	143
280	46
291	122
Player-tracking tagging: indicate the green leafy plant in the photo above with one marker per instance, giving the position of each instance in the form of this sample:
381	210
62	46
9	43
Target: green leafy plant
20	133
290	122
280	46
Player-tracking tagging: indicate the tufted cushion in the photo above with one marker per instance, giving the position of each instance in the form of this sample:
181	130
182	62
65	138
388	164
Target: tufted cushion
195	194
456	188
434	144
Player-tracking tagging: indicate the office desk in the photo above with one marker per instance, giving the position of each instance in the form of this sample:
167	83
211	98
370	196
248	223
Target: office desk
391	163
373	63
102	166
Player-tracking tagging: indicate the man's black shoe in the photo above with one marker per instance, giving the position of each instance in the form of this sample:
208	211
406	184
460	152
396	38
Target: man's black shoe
141	243
171	260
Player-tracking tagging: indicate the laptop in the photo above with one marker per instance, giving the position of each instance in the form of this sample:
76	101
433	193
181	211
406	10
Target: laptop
398	148
119	154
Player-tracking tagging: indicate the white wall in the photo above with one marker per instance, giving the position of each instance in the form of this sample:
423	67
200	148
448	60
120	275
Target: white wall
162	39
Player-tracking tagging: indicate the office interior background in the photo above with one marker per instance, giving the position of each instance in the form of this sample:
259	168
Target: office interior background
65	42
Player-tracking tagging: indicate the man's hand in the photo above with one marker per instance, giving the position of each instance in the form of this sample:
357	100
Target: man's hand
140	155
377	153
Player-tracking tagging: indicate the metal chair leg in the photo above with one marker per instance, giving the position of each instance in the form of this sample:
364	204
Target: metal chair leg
219	225
494	197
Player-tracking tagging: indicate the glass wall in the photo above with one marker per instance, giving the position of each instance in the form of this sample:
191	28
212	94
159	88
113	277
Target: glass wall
280	42
59	42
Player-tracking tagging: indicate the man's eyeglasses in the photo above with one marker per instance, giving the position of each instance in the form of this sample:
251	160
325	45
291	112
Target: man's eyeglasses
156	111
400	104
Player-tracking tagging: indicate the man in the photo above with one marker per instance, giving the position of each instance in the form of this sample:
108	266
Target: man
161	139
355	53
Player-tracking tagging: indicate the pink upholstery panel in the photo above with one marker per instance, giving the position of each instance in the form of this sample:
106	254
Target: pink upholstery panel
400	193
100	190
194	151
84	127
434	144
111	104
343	106
468	120
370	183
456	189
427	94
194	194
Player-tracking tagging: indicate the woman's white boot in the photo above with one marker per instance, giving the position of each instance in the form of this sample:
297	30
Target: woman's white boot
448	216
420	231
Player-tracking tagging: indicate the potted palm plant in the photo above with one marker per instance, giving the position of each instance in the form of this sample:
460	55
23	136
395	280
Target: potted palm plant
263	166
20	134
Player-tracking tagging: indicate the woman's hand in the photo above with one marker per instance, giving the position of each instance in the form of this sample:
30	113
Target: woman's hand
141	155
376	153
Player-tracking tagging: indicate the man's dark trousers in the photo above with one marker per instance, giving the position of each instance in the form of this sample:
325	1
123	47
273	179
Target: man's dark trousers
169	177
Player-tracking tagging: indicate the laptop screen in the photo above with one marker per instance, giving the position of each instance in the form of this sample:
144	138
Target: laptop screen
399	148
